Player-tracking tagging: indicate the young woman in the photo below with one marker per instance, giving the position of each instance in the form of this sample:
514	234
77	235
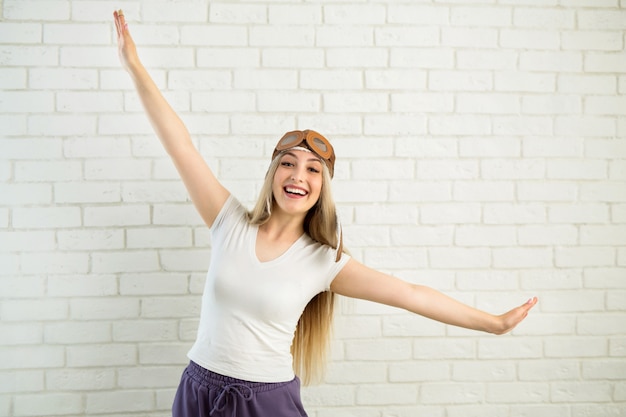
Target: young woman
268	301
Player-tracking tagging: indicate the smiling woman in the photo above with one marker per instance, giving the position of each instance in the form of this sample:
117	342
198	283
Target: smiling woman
262	327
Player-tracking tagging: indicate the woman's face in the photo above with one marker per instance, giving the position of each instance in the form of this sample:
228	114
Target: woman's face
297	181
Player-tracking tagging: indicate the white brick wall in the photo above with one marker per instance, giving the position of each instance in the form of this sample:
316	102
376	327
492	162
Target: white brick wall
481	150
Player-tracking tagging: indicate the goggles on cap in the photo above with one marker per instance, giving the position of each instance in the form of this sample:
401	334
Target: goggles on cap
317	143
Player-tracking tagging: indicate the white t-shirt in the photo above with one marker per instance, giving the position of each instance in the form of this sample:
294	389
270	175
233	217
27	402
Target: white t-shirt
250	308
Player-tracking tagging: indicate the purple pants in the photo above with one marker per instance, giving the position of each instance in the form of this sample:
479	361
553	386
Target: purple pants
203	393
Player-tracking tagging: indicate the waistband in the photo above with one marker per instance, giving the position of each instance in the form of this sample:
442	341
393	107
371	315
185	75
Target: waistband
209	378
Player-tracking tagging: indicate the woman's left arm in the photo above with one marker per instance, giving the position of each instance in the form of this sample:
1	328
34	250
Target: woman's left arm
358	281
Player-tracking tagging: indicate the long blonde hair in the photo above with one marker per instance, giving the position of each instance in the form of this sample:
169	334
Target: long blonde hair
312	337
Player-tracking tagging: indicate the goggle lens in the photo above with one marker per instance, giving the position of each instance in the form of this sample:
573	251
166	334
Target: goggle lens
288	140
320	144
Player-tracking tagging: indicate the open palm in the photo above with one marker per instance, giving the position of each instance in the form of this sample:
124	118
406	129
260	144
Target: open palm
125	44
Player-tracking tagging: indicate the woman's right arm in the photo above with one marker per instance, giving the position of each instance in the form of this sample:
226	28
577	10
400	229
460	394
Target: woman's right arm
206	192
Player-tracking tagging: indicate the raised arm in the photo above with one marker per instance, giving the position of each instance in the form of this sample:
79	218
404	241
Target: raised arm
206	192
358	281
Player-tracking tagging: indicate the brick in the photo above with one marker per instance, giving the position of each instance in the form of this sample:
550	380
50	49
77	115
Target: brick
167	11
509	348
36	10
81	286
26	241
22	334
76	333
28	56
362	102
344	36
613	191
144	331
52	171
583	391
185	260
170	307
552	147
603	235
482	191
48	404
101	355
378	395
214	35
586	84
394	124
523	258
87	192
422	103
542	370
604	62
577	169
270	79
484	16
551	105
355	58
522	125
518	392
126	215
108	309
407	36
148	377
487	103
449	213
100	147
437	58
46	217
128	261
80	379
61	125
500	60
90	34
524	81
592	41
605	105
584	256
31	357
609	277
294	14
153	191
551	279
26	102
24	33
459	258
287	102
547	191
418	371
13	78
451	393
407	258
421	236
544	18
459	125
471	37
21	381
163	354
602	19
530	39
23	194
605	148
216	57
388	79
378	350
498	169
119	401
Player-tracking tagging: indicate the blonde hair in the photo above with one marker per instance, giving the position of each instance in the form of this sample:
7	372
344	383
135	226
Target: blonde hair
312	337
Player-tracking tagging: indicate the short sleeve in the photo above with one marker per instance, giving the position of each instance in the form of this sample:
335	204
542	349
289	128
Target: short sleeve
336	267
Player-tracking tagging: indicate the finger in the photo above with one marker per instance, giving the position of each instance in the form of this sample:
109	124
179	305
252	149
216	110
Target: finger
117	22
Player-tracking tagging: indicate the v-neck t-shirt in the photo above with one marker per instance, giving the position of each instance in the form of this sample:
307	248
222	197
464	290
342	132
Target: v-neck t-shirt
250	308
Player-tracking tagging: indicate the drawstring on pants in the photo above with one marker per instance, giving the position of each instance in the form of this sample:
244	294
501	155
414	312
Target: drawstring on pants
233	391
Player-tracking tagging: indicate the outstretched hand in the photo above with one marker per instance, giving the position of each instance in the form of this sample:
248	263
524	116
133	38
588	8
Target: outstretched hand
125	44
512	318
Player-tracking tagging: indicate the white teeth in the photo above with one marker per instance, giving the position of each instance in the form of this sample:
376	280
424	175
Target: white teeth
295	191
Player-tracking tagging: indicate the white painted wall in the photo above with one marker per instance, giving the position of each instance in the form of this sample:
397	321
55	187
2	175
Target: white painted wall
481	150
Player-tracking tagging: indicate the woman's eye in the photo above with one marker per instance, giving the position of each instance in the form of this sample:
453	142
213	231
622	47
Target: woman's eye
286	164
314	170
